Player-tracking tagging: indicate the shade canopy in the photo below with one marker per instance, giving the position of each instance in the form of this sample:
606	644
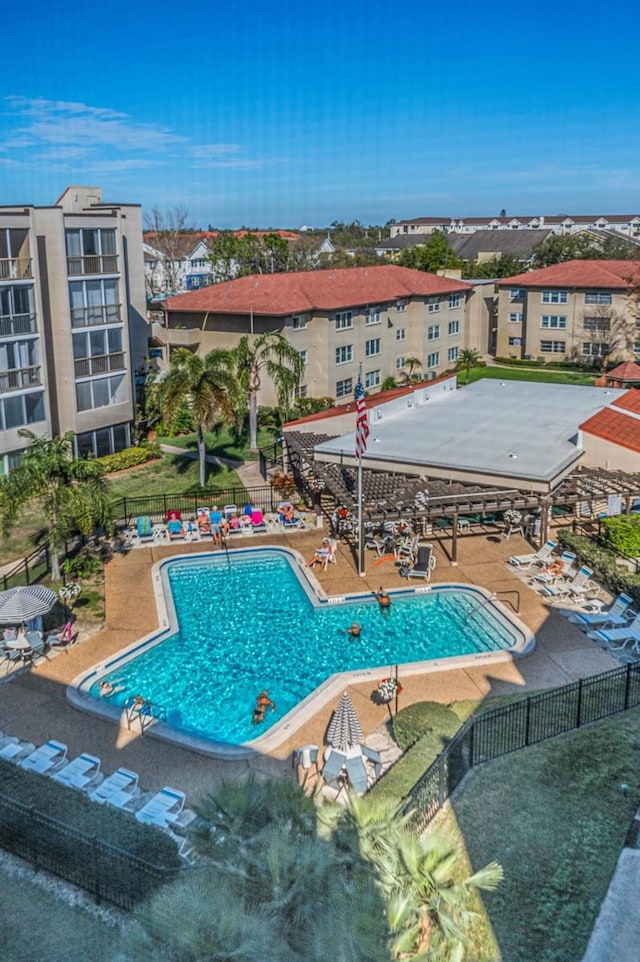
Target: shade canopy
25	602
344	729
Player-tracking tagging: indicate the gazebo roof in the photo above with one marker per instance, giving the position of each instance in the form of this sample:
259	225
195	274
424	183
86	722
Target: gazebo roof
627	371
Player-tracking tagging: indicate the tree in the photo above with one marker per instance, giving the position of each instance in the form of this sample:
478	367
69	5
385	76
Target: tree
73	493
558	248
206	385
606	333
167	232
503	265
411	364
433	256
270	353
467	358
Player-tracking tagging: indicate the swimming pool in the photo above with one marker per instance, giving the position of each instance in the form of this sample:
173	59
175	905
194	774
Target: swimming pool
257	620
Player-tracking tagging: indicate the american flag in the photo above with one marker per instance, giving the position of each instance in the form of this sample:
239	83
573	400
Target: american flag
362	419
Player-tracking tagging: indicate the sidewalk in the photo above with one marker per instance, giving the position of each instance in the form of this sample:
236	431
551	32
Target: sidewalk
247	471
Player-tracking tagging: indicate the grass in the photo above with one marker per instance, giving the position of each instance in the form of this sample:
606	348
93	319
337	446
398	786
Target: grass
526	374
172	474
555	817
224	444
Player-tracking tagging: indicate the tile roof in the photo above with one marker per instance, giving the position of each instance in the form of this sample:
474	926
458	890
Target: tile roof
627	371
630	401
614	426
303	291
602	275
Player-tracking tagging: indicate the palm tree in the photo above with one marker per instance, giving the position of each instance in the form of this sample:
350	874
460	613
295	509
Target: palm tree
73	494
272	353
467	358
412	364
206	385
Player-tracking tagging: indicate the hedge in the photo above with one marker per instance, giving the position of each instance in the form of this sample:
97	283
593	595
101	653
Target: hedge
603	562
129	458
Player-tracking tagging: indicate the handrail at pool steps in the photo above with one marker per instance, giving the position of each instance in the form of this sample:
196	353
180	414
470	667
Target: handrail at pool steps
143	712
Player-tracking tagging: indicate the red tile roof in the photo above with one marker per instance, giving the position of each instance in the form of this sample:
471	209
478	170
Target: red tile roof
602	275
627	371
630	401
304	291
616	427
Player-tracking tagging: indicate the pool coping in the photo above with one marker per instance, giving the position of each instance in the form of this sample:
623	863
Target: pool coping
77	690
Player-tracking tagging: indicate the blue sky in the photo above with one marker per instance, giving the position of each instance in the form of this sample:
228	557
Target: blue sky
291	113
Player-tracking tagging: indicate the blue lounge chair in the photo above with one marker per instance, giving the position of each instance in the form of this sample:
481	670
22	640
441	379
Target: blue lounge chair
332	769
619	613
356	773
144	527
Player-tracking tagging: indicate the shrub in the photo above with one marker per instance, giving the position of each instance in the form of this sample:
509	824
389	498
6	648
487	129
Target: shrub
622	534
128	458
423	718
603	562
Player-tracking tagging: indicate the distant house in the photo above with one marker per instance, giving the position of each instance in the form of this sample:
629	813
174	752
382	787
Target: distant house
625	224
576	310
479	245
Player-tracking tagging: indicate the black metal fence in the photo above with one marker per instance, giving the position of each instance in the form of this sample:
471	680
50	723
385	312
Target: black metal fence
26	572
270	457
518	725
107	873
157	506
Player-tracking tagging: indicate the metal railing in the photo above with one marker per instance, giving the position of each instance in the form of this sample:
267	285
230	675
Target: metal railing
270	458
98	364
108	873
27	571
96	315
92	264
519	725
157	506
20	378
12	325
15	268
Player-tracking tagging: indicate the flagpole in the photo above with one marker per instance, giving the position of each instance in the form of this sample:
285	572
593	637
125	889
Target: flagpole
360	525
362	433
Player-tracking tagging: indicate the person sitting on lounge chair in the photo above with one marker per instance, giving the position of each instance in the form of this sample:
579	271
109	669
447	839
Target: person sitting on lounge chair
321	555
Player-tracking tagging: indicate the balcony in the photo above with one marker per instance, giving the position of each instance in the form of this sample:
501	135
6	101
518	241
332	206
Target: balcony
99	364
20	378
95	316
15	268
92	264
12	325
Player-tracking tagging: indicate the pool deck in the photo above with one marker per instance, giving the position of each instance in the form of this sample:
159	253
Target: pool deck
33	703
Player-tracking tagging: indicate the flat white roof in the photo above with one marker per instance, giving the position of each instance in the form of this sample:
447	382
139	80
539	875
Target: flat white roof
519	430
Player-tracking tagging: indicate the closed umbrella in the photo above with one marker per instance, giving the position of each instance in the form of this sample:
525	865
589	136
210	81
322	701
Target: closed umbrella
344	729
26	602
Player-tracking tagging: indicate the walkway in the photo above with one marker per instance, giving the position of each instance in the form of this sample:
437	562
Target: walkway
247	471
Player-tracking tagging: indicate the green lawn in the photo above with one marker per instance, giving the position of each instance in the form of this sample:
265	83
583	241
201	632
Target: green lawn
526	374
172	474
223	444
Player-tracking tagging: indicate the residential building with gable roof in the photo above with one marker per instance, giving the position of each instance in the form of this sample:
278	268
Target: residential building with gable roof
626	224
578	310
72	322
380	316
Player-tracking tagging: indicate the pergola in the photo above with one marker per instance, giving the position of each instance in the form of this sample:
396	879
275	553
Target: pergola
392	495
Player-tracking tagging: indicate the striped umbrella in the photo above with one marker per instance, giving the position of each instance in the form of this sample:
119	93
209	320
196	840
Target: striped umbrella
25	602
344	729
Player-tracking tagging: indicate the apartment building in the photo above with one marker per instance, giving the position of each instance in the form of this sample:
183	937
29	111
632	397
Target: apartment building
628	225
380	316
579	310
72	322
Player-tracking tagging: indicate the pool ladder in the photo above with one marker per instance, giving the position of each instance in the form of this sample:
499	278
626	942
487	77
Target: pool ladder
145	714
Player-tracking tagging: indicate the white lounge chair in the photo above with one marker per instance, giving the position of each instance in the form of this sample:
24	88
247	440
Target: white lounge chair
625	635
618	614
122	783
163	809
83	772
541	557
579	586
549	577
12	749
46	759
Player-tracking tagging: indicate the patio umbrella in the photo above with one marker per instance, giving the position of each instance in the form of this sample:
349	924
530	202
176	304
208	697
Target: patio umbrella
23	603
344	729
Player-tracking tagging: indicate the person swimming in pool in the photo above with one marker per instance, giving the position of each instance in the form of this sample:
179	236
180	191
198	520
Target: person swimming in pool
383	600
262	703
355	630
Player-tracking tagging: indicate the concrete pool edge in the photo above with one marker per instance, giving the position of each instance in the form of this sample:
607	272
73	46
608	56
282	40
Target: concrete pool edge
78	690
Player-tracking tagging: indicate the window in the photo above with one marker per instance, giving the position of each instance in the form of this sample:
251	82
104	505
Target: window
552	347
104	441
299	322
304	356
433	305
21	409
595	349
597	323
301	391
372	347
554	322
399	363
454	301
597	297
636	347
555	297
401	333
372	379
516	317
452	354
91	250
433	332
433	359
515	342
94	302
401	305
516	294
16	311
344	354
454	328
371	315
344	388
344	320
101	392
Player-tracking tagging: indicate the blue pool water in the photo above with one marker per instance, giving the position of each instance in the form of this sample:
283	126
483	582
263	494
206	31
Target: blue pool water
250	624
